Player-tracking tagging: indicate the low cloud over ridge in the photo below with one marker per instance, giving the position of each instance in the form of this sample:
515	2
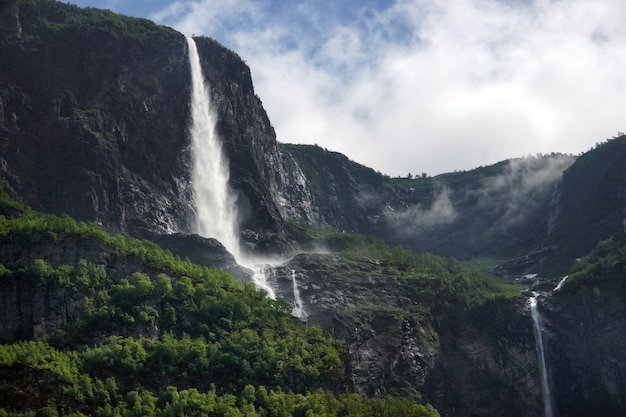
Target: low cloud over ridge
428	85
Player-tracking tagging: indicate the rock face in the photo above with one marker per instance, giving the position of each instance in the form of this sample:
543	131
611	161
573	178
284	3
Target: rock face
585	340
392	346
492	359
592	201
502	210
28	310
83	119
94	121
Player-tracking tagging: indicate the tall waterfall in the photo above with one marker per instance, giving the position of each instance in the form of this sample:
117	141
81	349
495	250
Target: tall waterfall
543	373
297	310
216	210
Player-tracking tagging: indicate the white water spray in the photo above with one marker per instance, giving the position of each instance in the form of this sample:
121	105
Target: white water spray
216	209
560	284
543	373
260	279
216	214
297	310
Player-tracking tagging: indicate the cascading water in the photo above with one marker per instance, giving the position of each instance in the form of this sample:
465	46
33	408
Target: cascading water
560	284
297	310
260	279
216	208
543	373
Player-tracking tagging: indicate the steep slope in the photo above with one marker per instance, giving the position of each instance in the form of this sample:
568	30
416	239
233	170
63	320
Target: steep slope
502	210
94	111
586	329
592	202
107	325
92	116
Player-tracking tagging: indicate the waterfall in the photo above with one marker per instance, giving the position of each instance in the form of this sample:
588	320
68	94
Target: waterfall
260	279
216	210
545	386
297	310
560	284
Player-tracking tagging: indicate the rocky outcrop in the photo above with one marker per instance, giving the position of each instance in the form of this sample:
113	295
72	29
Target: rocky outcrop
488	365
202	251
585	333
392	345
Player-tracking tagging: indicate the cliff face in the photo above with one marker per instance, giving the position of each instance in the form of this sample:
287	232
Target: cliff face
592	200
94	112
491	357
90	119
392	344
94	123
29	310
585	338
503	210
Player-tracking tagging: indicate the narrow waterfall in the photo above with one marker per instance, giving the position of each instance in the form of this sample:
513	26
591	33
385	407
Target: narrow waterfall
297	310
216	210
560	284
545	385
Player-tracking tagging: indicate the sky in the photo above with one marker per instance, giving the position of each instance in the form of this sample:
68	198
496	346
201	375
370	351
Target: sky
422	86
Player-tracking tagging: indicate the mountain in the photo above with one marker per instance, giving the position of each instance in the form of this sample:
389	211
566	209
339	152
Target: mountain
96	324
398	273
502	210
94	110
98	129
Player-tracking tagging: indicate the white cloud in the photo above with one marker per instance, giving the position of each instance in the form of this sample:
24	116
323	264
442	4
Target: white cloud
429	85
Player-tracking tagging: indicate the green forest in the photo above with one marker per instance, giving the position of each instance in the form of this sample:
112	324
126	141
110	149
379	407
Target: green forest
171	338
175	338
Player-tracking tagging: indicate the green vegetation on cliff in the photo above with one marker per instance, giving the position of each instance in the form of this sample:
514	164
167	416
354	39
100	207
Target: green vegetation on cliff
55	16
604	268
145	333
443	286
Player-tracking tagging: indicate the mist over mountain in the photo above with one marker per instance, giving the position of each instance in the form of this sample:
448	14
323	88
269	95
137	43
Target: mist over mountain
415	282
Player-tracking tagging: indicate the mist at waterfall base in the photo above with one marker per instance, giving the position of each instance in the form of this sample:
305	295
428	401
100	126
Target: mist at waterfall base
215	202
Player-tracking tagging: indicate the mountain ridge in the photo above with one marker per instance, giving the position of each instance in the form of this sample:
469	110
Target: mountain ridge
94	124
